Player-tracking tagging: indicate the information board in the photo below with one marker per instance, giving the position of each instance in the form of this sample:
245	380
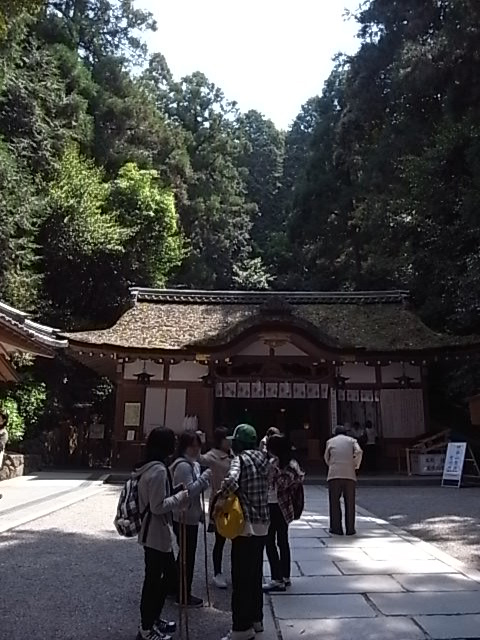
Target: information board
454	461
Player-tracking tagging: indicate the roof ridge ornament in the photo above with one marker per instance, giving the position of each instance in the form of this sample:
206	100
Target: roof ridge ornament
276	304
261	298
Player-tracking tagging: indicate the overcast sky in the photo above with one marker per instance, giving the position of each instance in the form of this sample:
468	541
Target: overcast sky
269	55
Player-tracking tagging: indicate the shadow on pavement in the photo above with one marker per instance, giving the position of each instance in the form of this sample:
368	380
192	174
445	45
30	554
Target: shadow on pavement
84	586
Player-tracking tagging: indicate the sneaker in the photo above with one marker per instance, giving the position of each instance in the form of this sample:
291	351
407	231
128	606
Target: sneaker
165	626
336	533
258	627
274	585
287	582
193	602
219	581
351	533
240	635
152	634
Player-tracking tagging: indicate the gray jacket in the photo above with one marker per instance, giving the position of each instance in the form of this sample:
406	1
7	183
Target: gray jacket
343	457
154	493
189	475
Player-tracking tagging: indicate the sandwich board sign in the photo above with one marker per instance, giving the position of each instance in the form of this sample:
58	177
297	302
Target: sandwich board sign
460	464
453	467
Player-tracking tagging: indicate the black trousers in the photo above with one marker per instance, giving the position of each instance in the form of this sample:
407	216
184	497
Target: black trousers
336	489
218	553
277	541
191	531
155	585
247	594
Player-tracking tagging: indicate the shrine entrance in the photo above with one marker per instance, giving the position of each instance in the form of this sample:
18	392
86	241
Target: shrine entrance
300	420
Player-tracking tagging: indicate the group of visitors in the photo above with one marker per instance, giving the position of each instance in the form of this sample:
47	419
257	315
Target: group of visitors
266	481
265	478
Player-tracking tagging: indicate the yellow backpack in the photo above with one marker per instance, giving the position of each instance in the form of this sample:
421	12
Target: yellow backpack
230	521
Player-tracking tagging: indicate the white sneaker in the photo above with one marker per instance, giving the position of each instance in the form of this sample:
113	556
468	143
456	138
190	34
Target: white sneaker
240	635
219	581
274	585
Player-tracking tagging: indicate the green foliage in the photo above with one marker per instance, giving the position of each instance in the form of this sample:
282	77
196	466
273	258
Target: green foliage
24	404
10	10
154	244
16	424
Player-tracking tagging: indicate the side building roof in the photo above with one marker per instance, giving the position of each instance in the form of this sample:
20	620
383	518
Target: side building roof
163	320
22	334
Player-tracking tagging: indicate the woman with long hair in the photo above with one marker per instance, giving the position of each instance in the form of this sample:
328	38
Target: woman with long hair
156	501
186	472
286	475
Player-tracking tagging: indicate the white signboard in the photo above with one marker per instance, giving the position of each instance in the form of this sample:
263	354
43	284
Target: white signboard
454	461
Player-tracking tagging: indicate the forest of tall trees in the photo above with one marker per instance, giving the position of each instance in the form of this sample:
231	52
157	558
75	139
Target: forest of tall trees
114	173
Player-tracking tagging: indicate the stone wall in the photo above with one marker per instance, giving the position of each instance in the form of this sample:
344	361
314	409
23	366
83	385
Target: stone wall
17	464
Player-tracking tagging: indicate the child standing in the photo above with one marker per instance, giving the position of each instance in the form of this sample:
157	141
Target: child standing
285	476
218	460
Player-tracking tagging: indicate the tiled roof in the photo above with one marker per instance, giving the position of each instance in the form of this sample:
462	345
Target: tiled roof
19	322
175	320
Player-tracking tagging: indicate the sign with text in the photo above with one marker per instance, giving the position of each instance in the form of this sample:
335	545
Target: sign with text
454	461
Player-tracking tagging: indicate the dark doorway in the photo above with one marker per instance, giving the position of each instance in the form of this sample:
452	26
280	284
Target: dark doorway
300	420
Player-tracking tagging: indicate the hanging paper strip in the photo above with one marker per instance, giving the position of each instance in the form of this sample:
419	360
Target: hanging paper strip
313	390
324	391
271	390
366	395
230	390
285	390
353	395
341	395
243	390
299	390
258	390
219	390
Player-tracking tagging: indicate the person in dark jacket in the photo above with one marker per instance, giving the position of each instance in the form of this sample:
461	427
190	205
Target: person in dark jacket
157	501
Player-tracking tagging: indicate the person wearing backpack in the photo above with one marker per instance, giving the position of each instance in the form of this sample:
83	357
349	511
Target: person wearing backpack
218	460
156	502
186	472
247	478
286	479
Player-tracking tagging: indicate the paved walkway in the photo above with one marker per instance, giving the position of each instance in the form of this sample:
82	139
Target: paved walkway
383	584
30	497
59	547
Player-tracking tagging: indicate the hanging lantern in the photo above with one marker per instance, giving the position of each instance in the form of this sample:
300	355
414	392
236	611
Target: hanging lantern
404	381
144	377
340	380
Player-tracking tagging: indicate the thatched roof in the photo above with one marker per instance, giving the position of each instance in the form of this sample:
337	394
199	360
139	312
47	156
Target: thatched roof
169	321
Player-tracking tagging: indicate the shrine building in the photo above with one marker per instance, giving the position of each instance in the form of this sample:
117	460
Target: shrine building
302	361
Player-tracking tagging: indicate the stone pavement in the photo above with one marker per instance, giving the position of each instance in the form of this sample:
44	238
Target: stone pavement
59	551
30	497
382	584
